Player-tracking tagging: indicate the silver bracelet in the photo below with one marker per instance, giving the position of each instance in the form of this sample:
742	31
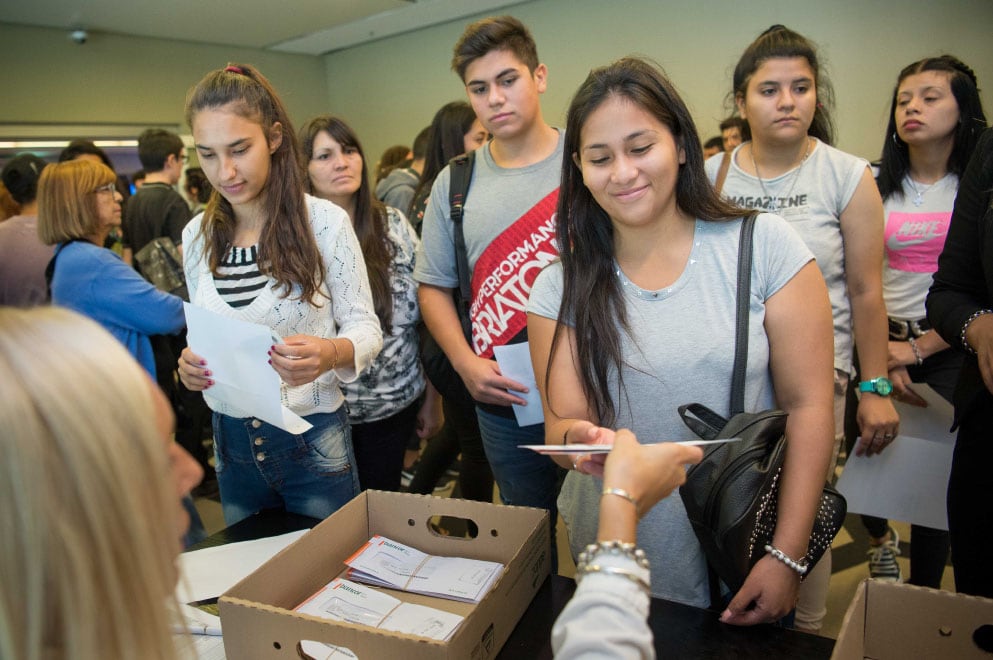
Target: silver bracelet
916	350
801	567
597	568
620	492
965	326
585	565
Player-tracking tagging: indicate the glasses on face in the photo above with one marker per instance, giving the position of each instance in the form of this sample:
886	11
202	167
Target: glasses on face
109	188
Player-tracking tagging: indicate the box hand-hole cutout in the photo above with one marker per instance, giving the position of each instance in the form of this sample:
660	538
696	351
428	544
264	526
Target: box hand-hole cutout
983	637
310	650
453	527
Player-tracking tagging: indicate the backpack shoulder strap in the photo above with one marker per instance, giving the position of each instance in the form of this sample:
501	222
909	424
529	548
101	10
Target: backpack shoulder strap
460	170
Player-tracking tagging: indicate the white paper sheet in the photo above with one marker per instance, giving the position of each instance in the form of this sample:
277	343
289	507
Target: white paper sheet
210	572
344	600
387	563
908	481
236	354
581	448
515	363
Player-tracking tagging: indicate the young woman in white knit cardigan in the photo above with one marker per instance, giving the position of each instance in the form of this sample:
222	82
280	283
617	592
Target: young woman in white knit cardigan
265	252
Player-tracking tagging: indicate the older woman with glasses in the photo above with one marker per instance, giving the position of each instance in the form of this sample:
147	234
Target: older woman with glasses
78	206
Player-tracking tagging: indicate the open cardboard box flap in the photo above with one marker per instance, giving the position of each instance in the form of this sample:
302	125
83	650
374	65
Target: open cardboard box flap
257	612
889	621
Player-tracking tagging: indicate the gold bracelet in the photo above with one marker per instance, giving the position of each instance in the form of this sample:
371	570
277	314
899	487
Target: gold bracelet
334	362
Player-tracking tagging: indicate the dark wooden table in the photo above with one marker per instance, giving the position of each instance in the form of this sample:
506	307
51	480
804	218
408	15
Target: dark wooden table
680	631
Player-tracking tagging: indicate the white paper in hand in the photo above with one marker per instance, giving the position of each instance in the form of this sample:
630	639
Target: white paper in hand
515	363
236	352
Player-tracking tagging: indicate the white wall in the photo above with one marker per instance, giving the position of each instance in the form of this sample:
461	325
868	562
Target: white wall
115	79
388	90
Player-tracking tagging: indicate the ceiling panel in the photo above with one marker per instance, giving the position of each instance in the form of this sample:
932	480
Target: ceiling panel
302	26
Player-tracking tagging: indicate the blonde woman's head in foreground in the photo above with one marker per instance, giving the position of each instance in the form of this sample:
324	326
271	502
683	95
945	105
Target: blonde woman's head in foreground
90	490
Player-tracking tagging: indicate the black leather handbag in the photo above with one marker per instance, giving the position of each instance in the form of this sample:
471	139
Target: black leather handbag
731	496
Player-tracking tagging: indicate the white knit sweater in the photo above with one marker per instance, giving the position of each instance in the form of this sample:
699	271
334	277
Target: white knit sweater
348	314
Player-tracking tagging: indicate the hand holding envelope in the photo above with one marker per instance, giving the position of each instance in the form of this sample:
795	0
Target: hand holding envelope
229	358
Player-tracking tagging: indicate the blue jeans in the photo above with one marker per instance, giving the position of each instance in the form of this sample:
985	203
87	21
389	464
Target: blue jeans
260	466
196	532
525	478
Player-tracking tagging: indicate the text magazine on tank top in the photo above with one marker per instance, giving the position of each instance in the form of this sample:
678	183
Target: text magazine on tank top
504	273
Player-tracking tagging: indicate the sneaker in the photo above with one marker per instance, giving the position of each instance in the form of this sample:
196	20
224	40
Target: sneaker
407	474
453	470
882	559
444	483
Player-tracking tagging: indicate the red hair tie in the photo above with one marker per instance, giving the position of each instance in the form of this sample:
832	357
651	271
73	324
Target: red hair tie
234	69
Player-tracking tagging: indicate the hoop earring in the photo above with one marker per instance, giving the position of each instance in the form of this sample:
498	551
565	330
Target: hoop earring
896	140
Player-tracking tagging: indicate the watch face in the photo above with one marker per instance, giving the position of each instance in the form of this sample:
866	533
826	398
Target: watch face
883	386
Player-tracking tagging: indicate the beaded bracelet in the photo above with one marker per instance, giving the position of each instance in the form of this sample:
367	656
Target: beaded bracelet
800	567
616	548
965	326
916	350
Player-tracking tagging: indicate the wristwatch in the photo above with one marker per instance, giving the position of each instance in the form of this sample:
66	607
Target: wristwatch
881	386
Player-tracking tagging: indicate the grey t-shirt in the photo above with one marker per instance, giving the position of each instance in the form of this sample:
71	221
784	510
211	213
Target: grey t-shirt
681	349
818	191
497	197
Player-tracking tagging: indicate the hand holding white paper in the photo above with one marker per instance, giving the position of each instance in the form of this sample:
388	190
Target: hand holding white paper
236	356
515	363
907	482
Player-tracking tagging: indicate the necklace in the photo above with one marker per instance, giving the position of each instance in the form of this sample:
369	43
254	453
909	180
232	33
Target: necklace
637	291
796	175
919	192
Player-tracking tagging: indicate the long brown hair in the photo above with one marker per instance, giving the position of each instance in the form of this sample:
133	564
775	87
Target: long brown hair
287	248
591	294
369	222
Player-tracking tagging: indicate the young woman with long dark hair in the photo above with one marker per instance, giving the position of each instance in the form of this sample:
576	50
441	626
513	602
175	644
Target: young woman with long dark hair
266	253
648	259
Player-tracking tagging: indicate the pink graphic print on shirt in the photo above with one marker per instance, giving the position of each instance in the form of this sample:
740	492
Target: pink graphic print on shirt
914	240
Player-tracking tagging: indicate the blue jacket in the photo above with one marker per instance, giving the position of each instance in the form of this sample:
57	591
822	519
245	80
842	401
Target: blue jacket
95	282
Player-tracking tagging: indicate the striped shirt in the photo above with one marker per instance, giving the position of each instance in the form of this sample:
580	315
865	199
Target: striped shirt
238	280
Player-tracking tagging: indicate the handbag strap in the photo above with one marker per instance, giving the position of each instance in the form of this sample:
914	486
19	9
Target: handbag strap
50	267
722	173
743	299
460	169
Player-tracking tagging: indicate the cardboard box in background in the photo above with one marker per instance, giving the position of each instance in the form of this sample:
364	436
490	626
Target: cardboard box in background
898	621
257	612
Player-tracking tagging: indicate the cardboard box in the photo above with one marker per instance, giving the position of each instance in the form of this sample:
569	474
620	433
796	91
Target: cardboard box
257	615
888	621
